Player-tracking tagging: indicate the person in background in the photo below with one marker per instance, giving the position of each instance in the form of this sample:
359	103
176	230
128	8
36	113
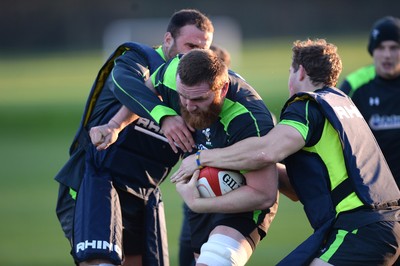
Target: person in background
375	89
109	203
334	167
222	53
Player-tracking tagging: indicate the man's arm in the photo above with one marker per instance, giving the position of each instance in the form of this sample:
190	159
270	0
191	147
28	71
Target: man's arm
104	135
249	154
128	76
254	153
260	193
173	127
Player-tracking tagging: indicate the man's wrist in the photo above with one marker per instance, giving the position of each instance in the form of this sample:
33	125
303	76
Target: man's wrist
198	162
205	159
114	124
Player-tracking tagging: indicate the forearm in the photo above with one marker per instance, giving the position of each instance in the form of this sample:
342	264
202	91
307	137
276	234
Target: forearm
259	193
122	118
103	136
256	152
234	202
247	154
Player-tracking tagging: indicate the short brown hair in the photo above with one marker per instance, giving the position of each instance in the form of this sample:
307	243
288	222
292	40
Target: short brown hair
199	65
319	59
185	17
222	53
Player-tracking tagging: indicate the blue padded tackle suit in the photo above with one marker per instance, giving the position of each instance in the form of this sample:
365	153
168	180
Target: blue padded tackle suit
137	163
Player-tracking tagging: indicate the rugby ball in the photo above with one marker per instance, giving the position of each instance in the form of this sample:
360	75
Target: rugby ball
214	182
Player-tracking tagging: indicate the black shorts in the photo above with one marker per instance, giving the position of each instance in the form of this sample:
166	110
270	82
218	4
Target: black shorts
65	210
254	229
373	244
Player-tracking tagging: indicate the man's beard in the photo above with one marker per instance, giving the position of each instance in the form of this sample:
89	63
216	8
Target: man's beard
202	119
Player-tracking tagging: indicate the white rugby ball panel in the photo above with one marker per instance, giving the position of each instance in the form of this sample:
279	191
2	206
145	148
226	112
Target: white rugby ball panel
214	182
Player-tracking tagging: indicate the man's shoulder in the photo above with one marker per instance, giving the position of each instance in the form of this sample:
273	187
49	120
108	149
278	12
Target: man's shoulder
152	55
235	75
165	76
137	47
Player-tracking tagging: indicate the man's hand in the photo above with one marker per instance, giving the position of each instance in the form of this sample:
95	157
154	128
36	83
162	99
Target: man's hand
177	133
189	192
186	169
105	135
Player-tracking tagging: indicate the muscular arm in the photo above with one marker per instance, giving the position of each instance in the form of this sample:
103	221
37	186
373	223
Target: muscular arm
260	193
104	135
173	127
128	76
256	152
250	154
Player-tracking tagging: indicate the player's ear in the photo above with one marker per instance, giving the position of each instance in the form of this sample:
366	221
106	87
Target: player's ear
224	89
167	39
302	73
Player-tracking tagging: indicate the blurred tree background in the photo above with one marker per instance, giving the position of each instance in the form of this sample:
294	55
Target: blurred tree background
79	24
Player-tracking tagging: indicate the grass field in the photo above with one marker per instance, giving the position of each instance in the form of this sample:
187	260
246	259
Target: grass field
42	97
